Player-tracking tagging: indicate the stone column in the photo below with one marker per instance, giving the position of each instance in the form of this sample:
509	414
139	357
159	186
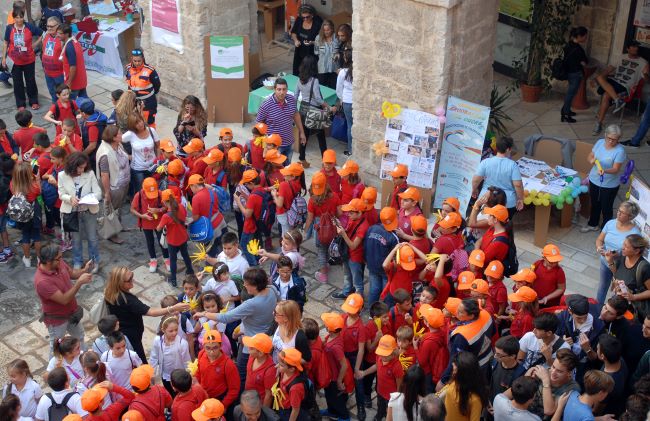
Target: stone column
415	53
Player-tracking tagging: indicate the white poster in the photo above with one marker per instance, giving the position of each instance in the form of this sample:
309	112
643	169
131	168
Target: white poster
642	15
412	140
227	57
102	7
166	24
640	194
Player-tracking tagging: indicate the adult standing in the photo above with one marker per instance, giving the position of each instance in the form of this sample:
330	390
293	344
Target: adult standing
405	404
279	112
344	93
325	48
129	309
466	395
114	172
575	59
303	33
125	107
18	45
251	408
192	121
52	66
607	158
502	172
308	87
72	55
78	181
630	267
143	79
144	142
289	333
343	43
53	284
611	240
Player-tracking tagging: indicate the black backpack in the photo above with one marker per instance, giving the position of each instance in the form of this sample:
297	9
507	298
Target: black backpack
510	263
57	110
308	404
558	69
58	411
267	215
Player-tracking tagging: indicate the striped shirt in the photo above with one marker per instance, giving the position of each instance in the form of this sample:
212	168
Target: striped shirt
279	117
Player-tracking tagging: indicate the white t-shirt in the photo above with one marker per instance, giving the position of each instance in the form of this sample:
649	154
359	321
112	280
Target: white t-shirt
168	358
143	150
237	266
75	370
74	404
224	290
121	367
396	402
29	397
628	71
504	411
531	346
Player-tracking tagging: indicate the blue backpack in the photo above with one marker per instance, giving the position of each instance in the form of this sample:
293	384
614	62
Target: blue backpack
48	191
201	230
222	194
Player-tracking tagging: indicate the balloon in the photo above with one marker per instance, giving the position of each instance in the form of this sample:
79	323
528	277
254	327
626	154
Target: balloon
546	202
440	111
569	200
553	199
584	189
442	119
533	192
560	200
547	196
575	193
576	181
527	200
537	202
560	206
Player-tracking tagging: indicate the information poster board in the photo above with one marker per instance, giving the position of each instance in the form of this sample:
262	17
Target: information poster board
412	140
227	57
166	24
642	13
462	144
640	194
519	9
102	7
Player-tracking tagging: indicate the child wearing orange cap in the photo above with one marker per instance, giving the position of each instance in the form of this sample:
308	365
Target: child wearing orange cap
449	205
147	206
451	234
292	187
214	173
329	169
351	185
194	150
130	415
210	410
227	142
92	400
322	203
433	354
476	262
336	393
480	291
354	341
493	273
272	142
380	240
401	272
150	399
251	211
522	322
389	373
464	284
217	373
421	242
205	204
399	175
550	282
273	163
369	198
174	223
409	207
256	145
159	169
261	370
436	274
497	240
176	171
376	327
293	385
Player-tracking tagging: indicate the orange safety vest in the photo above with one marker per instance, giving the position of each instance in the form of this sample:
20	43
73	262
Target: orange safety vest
139	80
478	335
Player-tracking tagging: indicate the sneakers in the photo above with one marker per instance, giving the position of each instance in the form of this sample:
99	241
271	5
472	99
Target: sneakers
347	153
153	265
47	231
588	228
339	295
629	143
66	245
619	104
168	265
8	253
597	128
27	262
321	277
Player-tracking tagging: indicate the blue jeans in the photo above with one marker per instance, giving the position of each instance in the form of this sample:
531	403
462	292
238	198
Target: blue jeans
52	83
605	281
288	152
377	281
347	110
242	363
31	230
79	93
137	177
243	242
87	231
353	275
644	125
574	84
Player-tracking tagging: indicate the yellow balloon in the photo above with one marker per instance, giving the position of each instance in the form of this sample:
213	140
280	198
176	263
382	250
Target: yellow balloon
537	202
546	202
527	200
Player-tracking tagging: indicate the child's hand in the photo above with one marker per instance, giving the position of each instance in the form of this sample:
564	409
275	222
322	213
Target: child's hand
358	374
408	319
262	253
263	259
200	275
198	315
340	230
106	385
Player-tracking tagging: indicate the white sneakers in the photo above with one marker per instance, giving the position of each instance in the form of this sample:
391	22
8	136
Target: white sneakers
27	262
153	265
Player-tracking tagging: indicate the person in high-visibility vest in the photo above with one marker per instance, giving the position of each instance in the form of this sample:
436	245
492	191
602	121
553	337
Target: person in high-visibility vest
143	79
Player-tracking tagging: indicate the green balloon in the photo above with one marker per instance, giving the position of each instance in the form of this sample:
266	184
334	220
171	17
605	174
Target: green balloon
560	206
560	200
569	200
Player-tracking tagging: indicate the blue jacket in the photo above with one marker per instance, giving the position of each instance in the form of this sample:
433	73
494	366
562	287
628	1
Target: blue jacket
377	244
297	293
565	328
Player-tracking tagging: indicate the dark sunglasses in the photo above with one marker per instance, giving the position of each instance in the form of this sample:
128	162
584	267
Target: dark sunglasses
137	52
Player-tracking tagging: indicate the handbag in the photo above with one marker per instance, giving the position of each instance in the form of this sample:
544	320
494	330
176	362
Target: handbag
70	221
163	239
314	117
98	311
339	130
109	223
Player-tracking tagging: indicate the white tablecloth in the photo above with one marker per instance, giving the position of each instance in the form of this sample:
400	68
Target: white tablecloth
101	49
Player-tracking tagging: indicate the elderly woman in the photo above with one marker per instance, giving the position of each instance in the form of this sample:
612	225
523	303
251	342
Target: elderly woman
289	333
52	66
632	273
607	158
77	182
129	309
611	240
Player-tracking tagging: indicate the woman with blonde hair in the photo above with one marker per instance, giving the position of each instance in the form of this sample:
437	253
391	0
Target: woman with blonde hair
124	108
25	183
129	309
289	332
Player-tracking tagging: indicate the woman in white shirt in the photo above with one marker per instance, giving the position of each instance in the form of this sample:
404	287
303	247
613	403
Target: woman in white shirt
405	404
344	92
143	143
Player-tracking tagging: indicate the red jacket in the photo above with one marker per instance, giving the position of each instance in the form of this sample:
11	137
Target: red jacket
80	79
114	410
433	354
219	378
184	404
152	403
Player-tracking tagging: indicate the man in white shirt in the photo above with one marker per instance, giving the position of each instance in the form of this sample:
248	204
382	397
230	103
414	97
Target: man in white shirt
58	381
539	346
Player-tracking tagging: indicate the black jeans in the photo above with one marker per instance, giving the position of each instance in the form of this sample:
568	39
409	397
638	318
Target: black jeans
382	407
368	380
337	401
602	202
173	254
151	243
26	71
320	134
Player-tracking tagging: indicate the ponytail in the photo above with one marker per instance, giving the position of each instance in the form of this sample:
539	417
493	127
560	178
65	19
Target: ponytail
173	207
90	361
64	345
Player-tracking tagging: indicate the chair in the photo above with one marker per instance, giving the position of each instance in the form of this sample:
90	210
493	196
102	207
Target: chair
635	94
548	151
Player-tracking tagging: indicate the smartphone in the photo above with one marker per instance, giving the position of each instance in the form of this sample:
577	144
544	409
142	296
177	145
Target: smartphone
622	287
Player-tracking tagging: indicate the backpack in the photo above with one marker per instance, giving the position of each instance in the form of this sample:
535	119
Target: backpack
558	69
5	193
339	251
19	209
323	371
223	195
297	212
49	193
267	214
325	230
201	230
14	146
510	263
58	411
308	404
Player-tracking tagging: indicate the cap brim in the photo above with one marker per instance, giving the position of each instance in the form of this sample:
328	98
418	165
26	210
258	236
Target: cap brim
248	341
554	259
382	352
392	226
464	287
515	298
407	265
188	149
349	309
209	160
170	149
198	415
445	225
318	191
151	195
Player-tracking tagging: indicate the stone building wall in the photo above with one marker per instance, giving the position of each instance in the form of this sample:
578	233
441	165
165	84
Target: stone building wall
600	18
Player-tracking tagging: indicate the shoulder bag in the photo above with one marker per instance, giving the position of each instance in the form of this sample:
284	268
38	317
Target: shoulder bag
315	117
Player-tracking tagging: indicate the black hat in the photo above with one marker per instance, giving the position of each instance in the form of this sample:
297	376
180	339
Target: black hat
578	304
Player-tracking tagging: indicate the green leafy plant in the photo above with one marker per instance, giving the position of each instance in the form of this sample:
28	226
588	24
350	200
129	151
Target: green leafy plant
498	115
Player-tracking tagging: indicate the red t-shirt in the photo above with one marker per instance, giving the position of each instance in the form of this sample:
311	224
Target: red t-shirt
256	155
433	354
317	353
47	284
372	216
361	226
141	204
404	220
334	180
328	206
292	397
211	177
350	191
409	353
447	243
443	288
548	280
498	294
183	405
157	397
424	245
387	375
254	202
262	378
218	377
33	193
494	250
353	335
176	233
24	137
397	319
198	166
286	190
65	111
334	351
521	324
395	200
201	206
371	333
5	145
76	141
268	180
400	278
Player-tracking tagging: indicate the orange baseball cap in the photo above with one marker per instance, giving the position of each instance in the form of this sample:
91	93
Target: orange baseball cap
369	197
411	193
353	304
350	167
333	321
465	280
226	131
318	182
524	275
261	128
167	145
433	316
480	286
552	253
523	294
166	194
195	145
275	157
451	305
132	415
295	169
74	417
175	167
150	187
387	345
329	156
407	257
248	176
195	179
419	224
215	155
494	269
260	341
355	205
500	212
477	258
92	398
453	202
274	139
388	217
292	357
209	409
452	220
141	377
234	155
211	336
400	170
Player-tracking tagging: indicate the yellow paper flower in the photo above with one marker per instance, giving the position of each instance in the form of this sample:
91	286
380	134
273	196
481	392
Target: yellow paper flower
225	308
244	162
389	110
378	322
259	141
237	330
278	395
432	257
207	269
405	361
14	157
192	367
200	254
417	333
276	184
193	302
380	148
397	256
63	140
161	169
253	246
